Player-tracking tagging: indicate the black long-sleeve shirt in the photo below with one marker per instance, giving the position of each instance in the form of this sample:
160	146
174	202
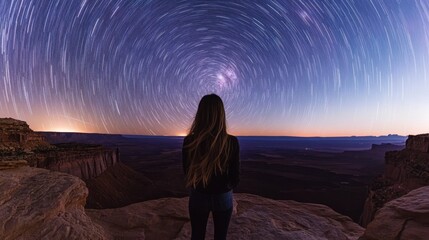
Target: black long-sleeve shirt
222	182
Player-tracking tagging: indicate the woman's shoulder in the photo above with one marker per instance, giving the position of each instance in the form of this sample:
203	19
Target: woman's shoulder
187	138
233	138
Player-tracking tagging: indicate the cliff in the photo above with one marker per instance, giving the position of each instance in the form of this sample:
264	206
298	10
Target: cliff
119	186
111	183
82	160
18	143
405	170
406	217
41	204
16	136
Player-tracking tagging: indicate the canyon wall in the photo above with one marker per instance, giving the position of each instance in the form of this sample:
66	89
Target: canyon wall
81	160
18	143
110	183
405	170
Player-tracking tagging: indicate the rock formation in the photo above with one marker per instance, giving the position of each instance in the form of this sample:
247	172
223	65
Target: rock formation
12	164
18	142
118	186
405	170
16	136
406	217
85	161
41	204
254	217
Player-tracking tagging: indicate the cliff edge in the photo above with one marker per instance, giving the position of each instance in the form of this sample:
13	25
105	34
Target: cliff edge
406	217
405	170
42	204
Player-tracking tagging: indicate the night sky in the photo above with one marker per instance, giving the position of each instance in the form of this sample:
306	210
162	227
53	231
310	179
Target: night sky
282	67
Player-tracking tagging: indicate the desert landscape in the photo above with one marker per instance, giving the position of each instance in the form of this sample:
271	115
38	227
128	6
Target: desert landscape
100	186
332	171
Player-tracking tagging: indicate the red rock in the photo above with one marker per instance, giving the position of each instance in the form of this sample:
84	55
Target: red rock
406	217
405	170
254	217
418	143
16	135
41	204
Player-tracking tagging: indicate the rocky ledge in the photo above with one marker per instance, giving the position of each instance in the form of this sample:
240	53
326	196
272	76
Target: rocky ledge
254	217
16	136
404	218
42	204
405	170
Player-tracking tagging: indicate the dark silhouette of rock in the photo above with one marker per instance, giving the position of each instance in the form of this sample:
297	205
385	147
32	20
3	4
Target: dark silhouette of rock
119	186
405	170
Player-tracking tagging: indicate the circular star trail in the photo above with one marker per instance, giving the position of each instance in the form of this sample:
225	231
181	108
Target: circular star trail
307	67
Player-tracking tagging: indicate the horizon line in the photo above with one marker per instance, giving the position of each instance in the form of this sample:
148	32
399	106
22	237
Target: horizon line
147	135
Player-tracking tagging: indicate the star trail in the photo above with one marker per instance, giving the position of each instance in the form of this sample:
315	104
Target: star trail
297	67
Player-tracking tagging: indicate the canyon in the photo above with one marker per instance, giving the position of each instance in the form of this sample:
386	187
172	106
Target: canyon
76	190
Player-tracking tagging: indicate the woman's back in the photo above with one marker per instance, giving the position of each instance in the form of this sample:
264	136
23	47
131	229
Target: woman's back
211	165
219	182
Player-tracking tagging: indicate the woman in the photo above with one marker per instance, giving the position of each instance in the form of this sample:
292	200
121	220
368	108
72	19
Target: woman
211	165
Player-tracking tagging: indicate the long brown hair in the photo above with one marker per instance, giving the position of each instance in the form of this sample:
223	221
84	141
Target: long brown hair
208	146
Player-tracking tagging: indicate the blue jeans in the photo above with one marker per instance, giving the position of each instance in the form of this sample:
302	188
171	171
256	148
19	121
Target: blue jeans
200	205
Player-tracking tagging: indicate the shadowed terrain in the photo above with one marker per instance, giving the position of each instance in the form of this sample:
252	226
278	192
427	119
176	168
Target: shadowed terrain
309	170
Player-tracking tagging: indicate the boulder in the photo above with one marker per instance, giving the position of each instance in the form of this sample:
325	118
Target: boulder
406	217
41	204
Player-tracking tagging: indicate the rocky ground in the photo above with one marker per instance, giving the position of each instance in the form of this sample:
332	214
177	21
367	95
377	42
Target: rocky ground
42	204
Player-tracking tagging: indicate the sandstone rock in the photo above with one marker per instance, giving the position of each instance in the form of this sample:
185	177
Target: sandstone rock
406	217
42	204
16	135
418	143
405	170
12	164
254	217
82	160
